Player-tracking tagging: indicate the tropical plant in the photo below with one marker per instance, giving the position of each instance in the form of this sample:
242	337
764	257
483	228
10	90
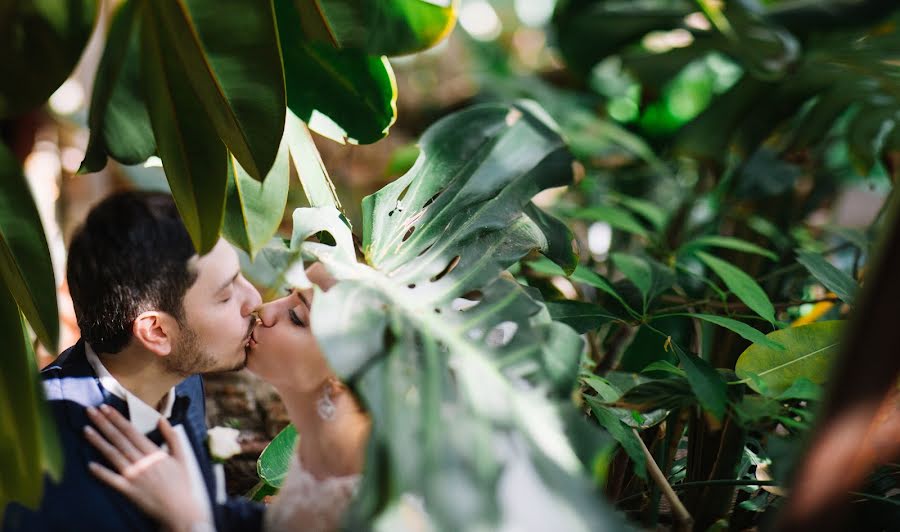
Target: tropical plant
210	88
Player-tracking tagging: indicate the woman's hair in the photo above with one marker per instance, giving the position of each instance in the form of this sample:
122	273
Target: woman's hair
130	256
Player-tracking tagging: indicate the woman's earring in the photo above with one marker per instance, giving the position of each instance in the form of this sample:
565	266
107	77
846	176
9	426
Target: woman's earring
324	405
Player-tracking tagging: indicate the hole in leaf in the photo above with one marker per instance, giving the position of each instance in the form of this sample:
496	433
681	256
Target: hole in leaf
391	212
424	251
413	285
322	237
461	304
437	311
502	334
474	295
409	233
402	194
431	200
449	268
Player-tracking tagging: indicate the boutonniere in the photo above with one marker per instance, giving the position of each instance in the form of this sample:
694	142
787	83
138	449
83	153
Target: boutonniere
223	443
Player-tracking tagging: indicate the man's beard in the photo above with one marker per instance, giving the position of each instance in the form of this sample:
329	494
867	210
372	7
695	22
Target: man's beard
190	358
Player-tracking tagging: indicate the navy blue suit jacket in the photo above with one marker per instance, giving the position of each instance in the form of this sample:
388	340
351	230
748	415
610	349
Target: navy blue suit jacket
80	501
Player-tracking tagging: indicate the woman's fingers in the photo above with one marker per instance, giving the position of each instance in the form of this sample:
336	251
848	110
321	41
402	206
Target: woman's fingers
115	457
113	434
171	437
140	441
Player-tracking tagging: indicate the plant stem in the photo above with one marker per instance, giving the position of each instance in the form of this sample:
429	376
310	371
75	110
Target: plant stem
681	514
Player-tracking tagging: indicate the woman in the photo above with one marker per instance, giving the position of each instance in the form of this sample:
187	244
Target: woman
332	427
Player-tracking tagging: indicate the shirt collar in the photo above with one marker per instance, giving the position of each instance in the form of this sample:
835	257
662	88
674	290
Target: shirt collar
143	416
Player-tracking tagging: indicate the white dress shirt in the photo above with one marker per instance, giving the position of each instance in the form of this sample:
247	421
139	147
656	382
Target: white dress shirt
145	418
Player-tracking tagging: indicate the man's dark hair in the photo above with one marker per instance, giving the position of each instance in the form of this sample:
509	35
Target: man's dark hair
130	256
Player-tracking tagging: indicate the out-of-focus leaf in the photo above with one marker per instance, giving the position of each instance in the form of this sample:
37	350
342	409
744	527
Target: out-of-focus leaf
40	43
728	242
668	394
650	277
25	266
832	278
275	460
354	89
802	389
579	315
622	433
707	384
808	354
379	27
614	216
228	50
253	209
451	357
650	211
28	441
582	275
119	123
194	159
741	285
867	131
740	328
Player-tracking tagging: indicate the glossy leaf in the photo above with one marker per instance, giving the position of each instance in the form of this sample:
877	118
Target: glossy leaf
28	441
832	278
741	285
728	242
194	159
274	461
254	210
229	52
808	354
739	327
40	43
354	89
448	354
25	266
118	120
308	164
381	27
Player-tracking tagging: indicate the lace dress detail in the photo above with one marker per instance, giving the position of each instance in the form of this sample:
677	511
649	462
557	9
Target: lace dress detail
307	504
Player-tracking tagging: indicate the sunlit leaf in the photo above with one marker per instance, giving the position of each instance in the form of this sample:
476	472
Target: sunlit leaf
741	285
274	462
808	354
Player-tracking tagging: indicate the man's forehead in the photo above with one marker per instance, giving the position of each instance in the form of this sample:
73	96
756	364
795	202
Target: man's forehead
217	268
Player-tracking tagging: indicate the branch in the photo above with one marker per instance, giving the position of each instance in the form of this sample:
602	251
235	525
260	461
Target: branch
682	516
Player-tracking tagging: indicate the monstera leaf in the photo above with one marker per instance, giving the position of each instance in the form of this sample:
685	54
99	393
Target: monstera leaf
464	373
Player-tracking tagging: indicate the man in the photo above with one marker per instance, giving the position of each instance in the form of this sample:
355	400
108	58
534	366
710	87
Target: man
153	315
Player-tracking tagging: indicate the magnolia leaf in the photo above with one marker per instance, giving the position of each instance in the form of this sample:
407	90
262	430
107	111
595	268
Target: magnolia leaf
40	43
379	27
253	209
452	358
741	285
832	278
118	120
307	162
27	436
193	157
809	350
25	266
347	95
228	50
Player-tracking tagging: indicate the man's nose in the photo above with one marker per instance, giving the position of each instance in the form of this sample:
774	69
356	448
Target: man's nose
253	299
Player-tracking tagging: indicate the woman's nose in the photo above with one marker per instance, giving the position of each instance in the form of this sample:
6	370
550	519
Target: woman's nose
269	313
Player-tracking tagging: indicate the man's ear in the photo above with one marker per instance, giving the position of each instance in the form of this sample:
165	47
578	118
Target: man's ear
154	330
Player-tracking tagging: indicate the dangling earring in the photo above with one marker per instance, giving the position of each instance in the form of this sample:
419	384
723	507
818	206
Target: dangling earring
324	405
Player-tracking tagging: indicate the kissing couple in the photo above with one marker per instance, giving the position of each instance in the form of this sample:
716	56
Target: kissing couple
128	400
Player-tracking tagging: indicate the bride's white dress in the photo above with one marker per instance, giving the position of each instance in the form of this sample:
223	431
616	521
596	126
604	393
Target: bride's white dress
309	504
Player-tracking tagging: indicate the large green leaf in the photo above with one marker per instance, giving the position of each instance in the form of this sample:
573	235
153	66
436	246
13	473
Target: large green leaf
307	162
193	156
119	123
461	368
25	266
254	210
28	441
274	462
381	27
808	354
356	90
832	278
40	43
741	285
229	51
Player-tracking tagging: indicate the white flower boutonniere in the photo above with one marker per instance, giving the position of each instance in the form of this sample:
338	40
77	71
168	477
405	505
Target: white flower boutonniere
223	443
